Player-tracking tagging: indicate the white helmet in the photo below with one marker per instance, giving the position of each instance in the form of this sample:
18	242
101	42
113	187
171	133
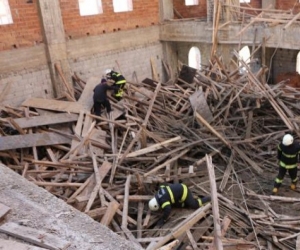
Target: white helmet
287	140
107	71
153	204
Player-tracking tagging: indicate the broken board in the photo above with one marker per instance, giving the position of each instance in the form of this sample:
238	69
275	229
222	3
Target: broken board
86	97
36	121
199	104
35	236
32	140
50	104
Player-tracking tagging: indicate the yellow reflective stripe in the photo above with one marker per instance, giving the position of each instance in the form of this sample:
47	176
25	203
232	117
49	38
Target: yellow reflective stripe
120	92
165	204
282	164
278	180
289	156
200	202
185	191
171	194
121	82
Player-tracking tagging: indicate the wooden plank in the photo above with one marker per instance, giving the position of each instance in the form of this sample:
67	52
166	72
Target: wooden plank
126	202
13	245
50	104
183	226
35	121
3	211
99	136
97	212
152	148
199	104
110	212
86	97
170	246
32	140
37	237
215	207
298	242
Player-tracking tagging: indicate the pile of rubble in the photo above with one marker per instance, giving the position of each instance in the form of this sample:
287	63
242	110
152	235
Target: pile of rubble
209	128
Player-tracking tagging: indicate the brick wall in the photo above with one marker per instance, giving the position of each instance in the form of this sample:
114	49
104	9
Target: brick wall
25	30
144	14
293	5
198	11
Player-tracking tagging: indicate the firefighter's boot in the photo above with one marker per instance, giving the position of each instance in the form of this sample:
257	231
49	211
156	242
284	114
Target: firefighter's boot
293	186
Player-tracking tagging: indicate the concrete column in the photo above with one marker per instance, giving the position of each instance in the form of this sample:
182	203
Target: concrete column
166	10
55	43
170	55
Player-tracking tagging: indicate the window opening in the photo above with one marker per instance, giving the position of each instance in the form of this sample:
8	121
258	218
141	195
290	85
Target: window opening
5	14
195	58
191	2
90	7
298	63
122	5
244	54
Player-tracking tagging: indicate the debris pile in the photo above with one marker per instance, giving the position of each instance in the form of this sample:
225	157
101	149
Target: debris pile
110	166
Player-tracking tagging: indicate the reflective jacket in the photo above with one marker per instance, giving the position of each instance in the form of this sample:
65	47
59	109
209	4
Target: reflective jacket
288	156
171	195
117	77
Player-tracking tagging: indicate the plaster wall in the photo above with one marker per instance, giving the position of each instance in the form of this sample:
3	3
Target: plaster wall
24	73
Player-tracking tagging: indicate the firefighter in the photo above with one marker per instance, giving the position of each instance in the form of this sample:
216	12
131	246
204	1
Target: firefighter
288	156
119	82
100	97
174	195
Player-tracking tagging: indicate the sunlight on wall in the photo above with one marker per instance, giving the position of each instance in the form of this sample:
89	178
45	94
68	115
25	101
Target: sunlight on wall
195	58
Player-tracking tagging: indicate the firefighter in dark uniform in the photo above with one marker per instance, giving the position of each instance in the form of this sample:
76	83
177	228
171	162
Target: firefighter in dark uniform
174	195
119	82
100	97
288	155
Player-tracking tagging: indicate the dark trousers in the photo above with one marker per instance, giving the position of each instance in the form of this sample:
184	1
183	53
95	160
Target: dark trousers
99	104
190	201
282	171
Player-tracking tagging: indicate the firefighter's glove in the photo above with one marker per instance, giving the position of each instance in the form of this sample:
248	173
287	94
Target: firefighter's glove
160	222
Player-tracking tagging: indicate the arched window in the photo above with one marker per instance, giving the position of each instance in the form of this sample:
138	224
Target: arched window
195	58
244	54
298	63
